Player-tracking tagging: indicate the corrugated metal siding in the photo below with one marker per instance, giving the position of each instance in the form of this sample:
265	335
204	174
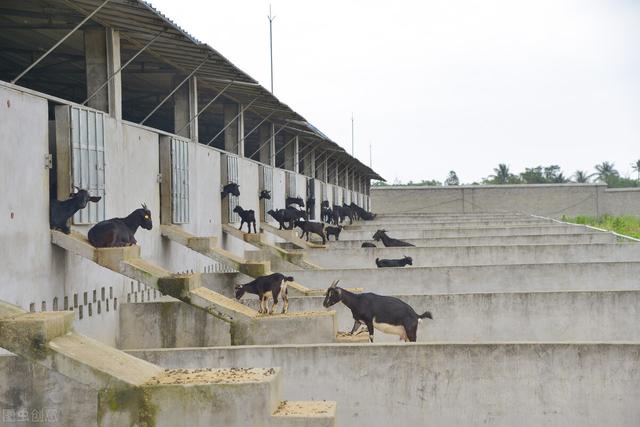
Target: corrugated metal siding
292	187
180	180
311	193
87	153
232	176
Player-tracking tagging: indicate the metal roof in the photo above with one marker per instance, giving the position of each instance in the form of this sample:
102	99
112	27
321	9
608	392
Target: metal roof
139	22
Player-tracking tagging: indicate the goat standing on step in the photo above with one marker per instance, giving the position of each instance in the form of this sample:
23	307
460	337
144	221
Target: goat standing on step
117	232
311	227
273	285
248	216
387	314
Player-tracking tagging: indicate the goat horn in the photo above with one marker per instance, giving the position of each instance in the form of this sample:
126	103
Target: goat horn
144	206
334	284
76	189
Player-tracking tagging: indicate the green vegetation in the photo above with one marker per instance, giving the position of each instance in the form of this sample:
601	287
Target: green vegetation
626	224
605	173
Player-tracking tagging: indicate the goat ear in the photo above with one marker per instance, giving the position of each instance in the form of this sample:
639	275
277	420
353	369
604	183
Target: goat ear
95	199
75	189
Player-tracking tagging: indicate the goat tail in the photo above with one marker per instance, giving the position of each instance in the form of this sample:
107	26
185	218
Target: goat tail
426	314
288	278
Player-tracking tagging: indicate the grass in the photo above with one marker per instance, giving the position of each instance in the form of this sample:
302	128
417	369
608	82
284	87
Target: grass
626	224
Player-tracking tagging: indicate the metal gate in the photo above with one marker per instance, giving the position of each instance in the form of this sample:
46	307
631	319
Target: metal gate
267	180
291	185
87	160
232	176
335	196
179	181
324	191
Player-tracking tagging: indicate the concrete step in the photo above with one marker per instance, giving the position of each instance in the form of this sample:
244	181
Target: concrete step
427	233
480	255
290	236
534	239
247	327
304	414
487	278
502	384
447	224
574	316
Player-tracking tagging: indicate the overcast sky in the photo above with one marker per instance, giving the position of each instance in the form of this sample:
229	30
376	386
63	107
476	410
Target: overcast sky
445	85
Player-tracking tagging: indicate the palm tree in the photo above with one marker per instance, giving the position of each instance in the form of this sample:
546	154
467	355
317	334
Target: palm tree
636	167
582	177
502	174
605	171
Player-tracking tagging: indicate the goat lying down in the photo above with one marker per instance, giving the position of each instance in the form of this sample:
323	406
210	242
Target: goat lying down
382	263
266	287
386	314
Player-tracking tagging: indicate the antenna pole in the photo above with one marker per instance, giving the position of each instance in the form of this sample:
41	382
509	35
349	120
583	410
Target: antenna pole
352	151
271	18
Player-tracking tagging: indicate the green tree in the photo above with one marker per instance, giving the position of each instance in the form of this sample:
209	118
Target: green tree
533	175
452	179
581	177
636	167
607	173
502	175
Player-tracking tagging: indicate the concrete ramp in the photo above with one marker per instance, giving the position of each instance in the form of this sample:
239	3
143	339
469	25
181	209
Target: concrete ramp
132	391
207	246
247	325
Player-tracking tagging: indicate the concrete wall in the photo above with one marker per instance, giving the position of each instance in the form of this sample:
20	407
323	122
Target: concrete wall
489	278
552	200
512	317
448	384
169	324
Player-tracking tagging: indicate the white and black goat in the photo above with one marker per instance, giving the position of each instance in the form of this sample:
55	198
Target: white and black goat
248	216
382	263
386	314
271	286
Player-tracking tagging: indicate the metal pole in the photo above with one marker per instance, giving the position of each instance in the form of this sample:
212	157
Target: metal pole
271	18
242	110
59	42
370	161
352	155
267	141
205	107
122	68
255	127
175	89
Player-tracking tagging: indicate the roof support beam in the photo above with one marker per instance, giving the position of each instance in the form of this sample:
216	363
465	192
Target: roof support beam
242	110
175	89
52	48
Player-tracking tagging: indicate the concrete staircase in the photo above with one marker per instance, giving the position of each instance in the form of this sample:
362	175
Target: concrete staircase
132	391
247	326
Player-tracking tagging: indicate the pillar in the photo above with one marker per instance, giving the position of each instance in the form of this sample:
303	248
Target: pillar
229	113
185	106
241	140
102	59
296	154
264	141
290	161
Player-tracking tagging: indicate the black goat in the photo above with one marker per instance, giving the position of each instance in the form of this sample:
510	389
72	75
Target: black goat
340	213
295	201
324	204
265	194
289	215
387	314
308	227
61	211
368	245
273	285
248	216
118	232
311	204
361	213
231	188
382	263
388	241
333	231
